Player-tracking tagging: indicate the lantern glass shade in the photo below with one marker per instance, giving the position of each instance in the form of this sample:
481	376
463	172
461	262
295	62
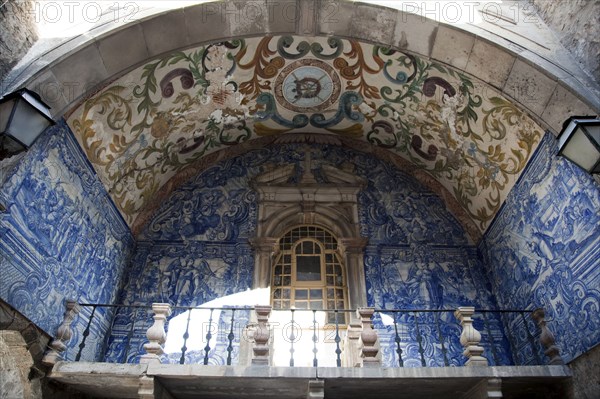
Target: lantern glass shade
580	142
23	118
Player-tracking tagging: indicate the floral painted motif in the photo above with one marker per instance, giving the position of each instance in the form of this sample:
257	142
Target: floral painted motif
159	119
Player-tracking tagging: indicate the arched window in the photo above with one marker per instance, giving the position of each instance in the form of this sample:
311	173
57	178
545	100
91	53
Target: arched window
308	272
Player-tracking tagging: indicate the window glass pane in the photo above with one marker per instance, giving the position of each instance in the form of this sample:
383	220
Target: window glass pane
301	294
308	268
301	305
316	294
287	280
316	305
277	270
287	259
307	248
331	318
330	280
277	293
287	269
286	293
277	280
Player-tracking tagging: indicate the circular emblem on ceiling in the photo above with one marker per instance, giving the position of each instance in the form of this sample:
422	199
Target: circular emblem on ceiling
307	85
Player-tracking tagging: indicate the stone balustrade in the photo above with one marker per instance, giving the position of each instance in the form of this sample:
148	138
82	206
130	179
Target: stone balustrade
547	338
64	333
156	334
368	337
353	342
470	337
261	337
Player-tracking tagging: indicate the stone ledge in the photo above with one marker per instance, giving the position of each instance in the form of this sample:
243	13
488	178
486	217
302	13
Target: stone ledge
122	380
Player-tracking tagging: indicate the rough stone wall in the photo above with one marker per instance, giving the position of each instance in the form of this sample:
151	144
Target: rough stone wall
18	32
586	375
576	24
15	366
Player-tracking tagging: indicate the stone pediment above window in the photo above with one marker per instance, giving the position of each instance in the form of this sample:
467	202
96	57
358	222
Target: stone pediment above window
314	183
335	175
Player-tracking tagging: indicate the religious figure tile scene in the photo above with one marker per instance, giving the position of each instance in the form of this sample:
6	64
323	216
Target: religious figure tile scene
62	238
195	250
542	249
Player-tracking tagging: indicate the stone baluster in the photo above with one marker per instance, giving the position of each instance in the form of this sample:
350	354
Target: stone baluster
63	335
368	337
547	338
261	336
352	348
470	337
156	334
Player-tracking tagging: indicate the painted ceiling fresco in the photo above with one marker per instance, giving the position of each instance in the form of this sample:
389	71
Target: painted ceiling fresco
149	125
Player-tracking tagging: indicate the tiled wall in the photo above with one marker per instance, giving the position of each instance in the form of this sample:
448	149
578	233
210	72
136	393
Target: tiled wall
543	250
61	237
419	257
196	250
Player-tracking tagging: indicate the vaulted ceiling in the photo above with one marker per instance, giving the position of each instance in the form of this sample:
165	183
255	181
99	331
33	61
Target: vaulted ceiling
460	114
146	127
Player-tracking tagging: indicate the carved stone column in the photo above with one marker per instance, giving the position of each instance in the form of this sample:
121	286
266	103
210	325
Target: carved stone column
265	247
156	333
470	337
547	338
353	247
261	336
63	335
368	337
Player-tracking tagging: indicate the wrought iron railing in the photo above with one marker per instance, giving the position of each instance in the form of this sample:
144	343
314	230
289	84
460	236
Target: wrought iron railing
258	335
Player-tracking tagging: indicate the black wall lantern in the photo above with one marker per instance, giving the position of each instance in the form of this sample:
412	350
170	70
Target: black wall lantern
23	118
579	142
